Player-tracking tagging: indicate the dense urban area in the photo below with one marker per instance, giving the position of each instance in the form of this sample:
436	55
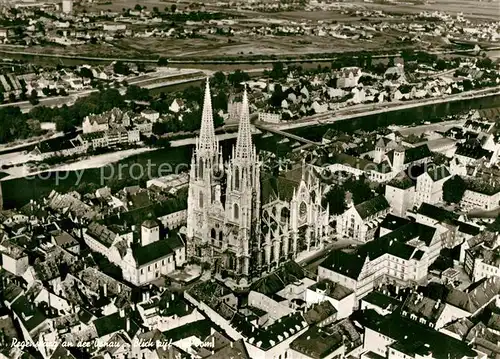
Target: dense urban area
285	179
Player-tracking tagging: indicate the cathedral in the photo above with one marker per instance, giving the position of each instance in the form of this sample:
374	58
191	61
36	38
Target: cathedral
244	223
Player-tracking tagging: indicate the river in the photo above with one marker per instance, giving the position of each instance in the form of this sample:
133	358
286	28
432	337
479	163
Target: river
19	191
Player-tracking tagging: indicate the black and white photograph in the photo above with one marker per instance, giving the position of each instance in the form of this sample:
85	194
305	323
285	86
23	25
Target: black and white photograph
249	179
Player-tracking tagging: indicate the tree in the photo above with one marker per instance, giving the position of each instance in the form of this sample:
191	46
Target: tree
136	93
439	159
278	71
39	27
2	98
441	65
359	189
61	124
454	189
159	128
163	143
121	68
162	61
12	97
277	97
173	8
368	63
137	7
467	84
485	63
219	102
495	226
335	198
238	77
219	79
193	93
156	10
86	72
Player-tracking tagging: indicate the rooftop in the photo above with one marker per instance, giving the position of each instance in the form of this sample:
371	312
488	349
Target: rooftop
423	307
417	153
413	338
372	206
394	243
382	300
288	273
113	323
393	222
28	313
332	289
401	181
438	173
483	186
151	252
319	312
319	342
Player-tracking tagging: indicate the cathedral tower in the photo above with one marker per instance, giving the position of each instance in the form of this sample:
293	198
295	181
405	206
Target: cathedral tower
243	200
206	162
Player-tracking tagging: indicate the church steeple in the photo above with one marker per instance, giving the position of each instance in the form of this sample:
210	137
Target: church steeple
244	149
207	144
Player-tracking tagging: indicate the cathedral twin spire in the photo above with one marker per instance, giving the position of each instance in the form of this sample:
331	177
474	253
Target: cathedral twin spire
207	143
244	148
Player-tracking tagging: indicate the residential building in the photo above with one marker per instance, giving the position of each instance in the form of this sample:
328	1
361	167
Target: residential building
394	336
402	255
342	298
481	195
361	221
400	194
14	257
348	77
429	186
452	227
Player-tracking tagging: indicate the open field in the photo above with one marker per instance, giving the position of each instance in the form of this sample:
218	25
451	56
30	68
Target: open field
153	48
246	46
489	9
470	8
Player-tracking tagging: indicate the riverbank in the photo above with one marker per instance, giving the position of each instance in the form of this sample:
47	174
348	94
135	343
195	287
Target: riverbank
348	113
12	146
89	162
19	191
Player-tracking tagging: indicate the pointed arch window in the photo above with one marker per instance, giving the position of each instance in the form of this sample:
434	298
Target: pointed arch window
285	214
236	211
302	211
236	178
200	171
201	199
